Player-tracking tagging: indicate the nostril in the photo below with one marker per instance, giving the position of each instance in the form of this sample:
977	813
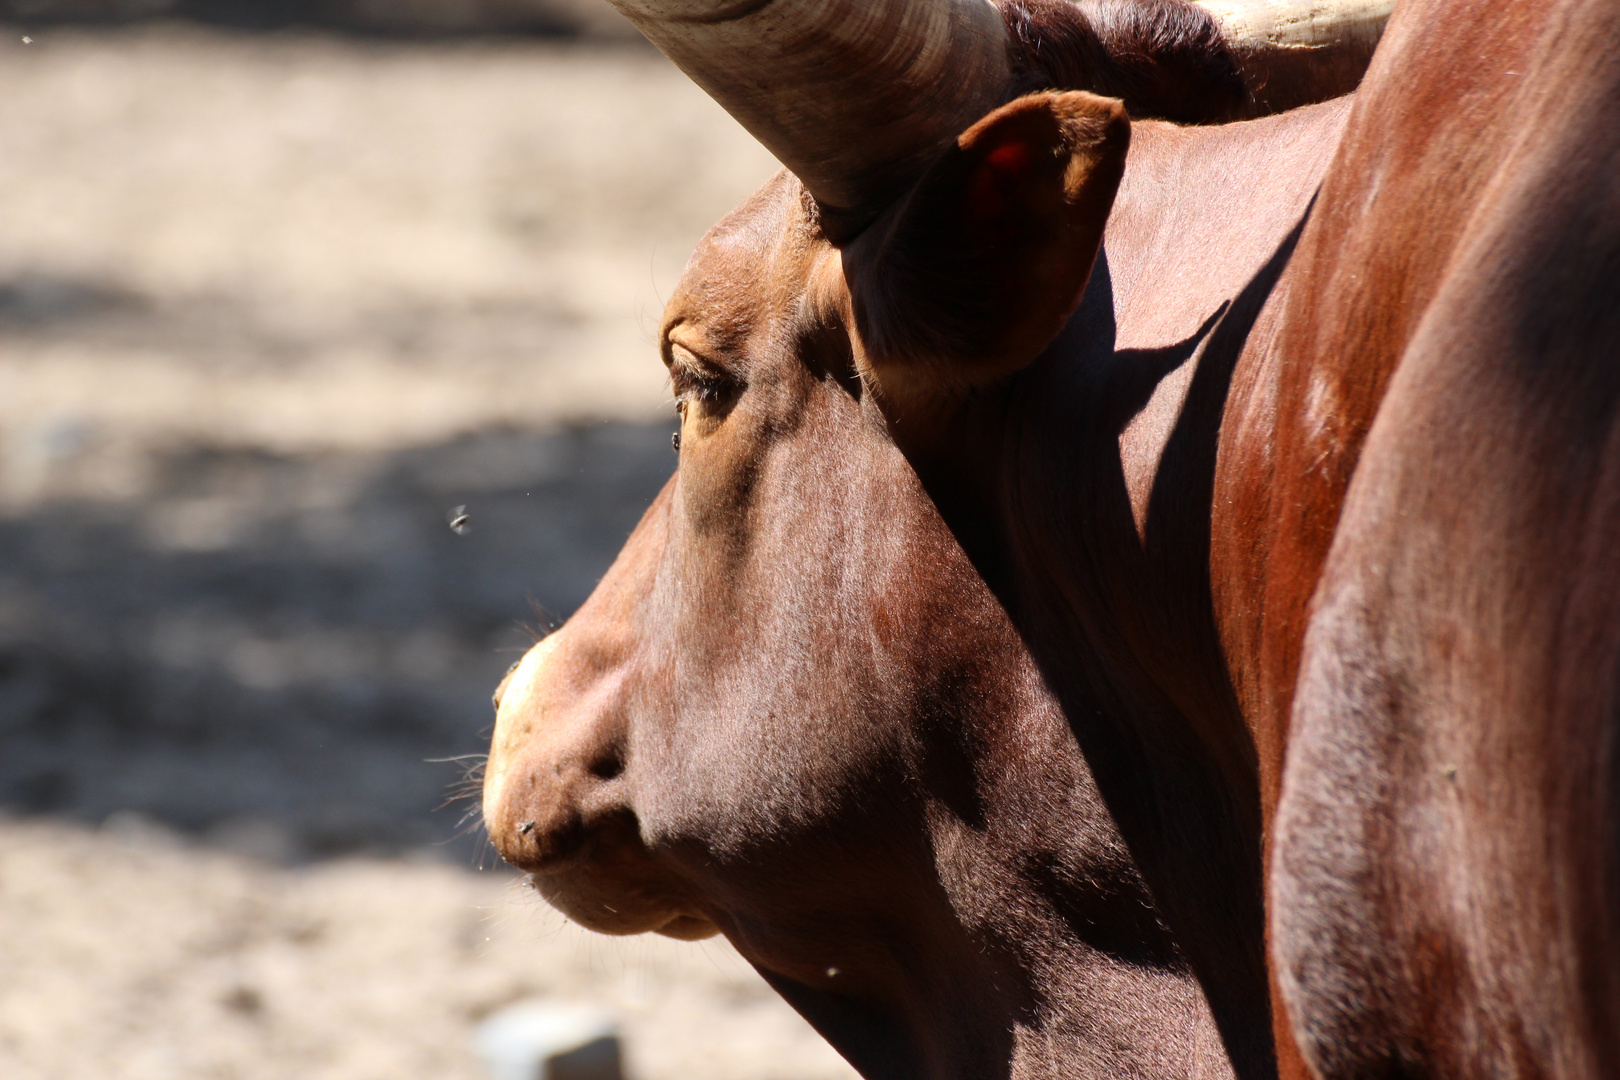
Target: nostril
608	766
500	689
543	842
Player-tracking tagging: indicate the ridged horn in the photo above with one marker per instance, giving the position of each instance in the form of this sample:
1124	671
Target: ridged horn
1292	52
854	96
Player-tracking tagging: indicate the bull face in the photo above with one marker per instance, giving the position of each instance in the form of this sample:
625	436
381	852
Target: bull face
728	694
792	712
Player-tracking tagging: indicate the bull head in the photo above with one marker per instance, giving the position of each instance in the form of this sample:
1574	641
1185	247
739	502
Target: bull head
793	711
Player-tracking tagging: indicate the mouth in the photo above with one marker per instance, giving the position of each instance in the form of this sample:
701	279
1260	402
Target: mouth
610	902
688	928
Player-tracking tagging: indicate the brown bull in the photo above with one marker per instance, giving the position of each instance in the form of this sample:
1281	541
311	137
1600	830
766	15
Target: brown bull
1446	879
951	677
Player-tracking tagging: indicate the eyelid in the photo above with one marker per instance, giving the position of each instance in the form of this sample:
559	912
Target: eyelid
693	375
695	364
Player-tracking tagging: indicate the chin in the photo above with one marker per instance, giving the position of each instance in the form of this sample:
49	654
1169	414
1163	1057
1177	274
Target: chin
688	928
623	909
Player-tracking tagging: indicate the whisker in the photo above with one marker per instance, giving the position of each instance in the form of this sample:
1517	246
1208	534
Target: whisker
545	623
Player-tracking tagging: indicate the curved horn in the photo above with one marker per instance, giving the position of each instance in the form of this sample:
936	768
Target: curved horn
854	96
1292	52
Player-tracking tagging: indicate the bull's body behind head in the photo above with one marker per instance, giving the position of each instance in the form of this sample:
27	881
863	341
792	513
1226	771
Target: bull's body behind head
949	677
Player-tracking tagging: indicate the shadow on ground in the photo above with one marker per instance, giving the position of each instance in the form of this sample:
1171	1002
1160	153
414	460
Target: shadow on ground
267	651
413	18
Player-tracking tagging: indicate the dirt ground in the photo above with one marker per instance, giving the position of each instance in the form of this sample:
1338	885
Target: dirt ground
270	307
128	956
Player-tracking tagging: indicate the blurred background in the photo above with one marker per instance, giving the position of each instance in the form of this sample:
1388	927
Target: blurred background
282	284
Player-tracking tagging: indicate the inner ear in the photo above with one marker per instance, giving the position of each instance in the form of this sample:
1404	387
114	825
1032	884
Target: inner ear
982	263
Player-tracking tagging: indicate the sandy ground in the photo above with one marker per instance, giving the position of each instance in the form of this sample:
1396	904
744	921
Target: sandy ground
300	243
128	956
270	307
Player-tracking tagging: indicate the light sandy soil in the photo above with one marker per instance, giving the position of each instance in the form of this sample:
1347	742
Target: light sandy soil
269	307
127	957
311	243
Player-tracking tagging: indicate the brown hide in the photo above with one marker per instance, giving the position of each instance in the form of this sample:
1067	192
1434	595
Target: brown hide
1309	386
1445	900
1082	488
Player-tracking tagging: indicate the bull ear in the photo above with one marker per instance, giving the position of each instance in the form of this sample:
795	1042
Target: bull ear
982	263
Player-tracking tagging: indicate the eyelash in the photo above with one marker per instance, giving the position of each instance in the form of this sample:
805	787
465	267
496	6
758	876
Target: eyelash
692	386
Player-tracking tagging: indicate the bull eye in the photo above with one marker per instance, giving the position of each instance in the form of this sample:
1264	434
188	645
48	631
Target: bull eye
675	442
700	382
701	387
